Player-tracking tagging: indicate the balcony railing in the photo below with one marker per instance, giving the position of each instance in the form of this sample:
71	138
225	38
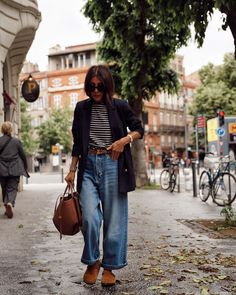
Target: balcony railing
164	129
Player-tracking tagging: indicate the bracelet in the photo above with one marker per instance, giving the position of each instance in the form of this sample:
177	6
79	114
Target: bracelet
131	138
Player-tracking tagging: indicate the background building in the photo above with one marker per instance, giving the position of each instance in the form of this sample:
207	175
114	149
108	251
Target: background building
19	22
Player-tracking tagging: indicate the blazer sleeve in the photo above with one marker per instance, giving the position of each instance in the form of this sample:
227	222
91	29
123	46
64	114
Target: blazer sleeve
22	155
131	120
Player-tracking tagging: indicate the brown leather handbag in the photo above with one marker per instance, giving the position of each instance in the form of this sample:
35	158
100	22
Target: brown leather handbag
67	216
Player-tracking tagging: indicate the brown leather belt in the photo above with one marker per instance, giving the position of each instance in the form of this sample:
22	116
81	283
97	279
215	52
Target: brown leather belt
94	151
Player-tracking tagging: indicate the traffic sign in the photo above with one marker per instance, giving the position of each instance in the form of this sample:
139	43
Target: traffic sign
55	149
220	132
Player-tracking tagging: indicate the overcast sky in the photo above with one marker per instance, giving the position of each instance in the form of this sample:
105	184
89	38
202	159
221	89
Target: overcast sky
64	24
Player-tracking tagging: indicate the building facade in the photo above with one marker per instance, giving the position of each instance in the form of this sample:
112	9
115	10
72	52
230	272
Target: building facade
19	21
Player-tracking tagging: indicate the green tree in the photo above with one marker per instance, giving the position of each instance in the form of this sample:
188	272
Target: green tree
56	130
217	90
29	143
199	12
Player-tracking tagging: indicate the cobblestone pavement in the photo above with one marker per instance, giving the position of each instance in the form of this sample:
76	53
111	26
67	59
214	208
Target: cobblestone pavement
165	256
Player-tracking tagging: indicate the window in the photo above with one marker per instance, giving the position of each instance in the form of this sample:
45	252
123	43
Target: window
88	58
73	100
174	120
56	82
154	119
161	117
73	80
168	118
57	101
162	98
163	139
175	101
169	139
81	60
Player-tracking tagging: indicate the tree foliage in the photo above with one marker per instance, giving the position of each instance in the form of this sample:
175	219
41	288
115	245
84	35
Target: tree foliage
217	90
141	36
56	130
139	40
199	12
29	143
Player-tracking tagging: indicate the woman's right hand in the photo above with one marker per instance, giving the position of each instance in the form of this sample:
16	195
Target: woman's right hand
70	178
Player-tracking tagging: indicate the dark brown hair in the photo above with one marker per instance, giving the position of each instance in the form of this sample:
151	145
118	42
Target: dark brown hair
103	73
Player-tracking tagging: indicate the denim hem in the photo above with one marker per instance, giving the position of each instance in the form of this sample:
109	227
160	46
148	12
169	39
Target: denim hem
88	262
111	267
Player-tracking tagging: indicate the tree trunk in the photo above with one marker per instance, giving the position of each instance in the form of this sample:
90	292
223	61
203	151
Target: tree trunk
139	161
138	150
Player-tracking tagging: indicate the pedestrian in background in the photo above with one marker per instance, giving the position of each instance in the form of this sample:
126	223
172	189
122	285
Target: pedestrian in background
105	172
36	165
12	164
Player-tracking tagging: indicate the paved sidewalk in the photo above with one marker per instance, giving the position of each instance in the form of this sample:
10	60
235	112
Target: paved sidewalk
164	254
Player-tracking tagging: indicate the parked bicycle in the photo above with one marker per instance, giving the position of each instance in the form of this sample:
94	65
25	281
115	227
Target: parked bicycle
217	181
169	175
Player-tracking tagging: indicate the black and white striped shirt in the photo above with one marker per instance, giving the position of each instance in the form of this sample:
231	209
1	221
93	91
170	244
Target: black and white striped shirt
100	131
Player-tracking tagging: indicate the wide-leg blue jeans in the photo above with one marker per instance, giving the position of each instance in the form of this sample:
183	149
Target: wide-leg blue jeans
102	203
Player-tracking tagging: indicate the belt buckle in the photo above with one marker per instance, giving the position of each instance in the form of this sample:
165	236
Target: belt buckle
98	151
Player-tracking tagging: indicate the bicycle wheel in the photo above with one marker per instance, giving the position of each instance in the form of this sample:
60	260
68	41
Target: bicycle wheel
204	186
224	189
172	182
165	179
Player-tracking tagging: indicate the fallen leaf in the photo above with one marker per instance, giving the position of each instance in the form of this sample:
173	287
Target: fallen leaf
44	270
204	290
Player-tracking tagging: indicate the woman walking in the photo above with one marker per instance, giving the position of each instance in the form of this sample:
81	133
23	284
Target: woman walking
105	173
12	164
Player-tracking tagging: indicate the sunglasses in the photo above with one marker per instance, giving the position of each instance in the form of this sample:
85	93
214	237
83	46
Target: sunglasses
100	87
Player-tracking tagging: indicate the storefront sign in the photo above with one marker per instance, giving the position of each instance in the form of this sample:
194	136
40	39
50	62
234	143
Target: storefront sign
30	89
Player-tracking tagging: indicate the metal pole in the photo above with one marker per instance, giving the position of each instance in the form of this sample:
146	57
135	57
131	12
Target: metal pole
197	149
185	128
62	175
205	142
178	179
194	179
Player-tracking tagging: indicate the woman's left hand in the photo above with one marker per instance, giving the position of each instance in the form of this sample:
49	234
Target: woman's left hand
116	148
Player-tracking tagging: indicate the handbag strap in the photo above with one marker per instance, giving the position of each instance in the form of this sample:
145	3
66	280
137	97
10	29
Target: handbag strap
5	144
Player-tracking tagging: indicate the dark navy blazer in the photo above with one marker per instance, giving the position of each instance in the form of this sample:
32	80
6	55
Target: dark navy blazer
120	117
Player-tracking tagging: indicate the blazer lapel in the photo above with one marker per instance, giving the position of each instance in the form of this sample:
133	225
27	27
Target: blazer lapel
86	123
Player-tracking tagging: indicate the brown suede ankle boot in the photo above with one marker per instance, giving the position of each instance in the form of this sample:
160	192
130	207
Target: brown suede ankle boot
91	274
108	278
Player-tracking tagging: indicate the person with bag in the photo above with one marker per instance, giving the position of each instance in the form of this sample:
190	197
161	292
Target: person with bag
12	164
105	173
